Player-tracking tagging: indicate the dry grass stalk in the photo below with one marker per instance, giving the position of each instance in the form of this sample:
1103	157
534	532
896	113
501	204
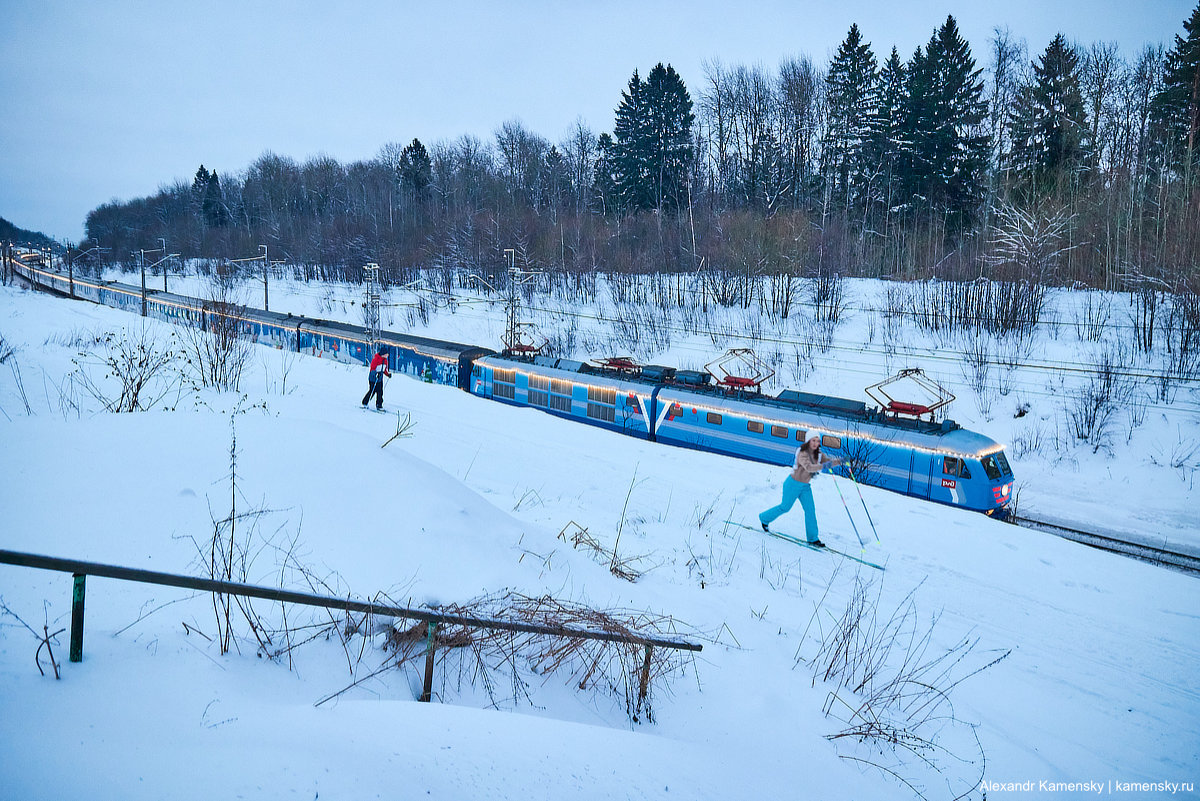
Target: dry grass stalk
622	567
898	686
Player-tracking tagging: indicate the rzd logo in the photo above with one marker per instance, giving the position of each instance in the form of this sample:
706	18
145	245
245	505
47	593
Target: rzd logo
949	483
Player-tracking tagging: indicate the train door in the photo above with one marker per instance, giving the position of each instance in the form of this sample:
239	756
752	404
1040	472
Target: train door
920	474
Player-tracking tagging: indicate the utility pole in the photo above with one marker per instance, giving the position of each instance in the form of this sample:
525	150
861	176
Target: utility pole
266	269
371	314
164	250
142	262
514	343
512	313
70	270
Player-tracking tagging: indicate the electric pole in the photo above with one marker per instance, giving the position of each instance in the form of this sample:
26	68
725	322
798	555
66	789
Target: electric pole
142	262
371	307
266	269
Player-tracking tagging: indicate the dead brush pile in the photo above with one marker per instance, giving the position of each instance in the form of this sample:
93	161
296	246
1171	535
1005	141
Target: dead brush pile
624	667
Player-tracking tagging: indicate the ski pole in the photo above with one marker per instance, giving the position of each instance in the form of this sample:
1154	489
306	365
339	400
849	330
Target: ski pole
864	501
852	523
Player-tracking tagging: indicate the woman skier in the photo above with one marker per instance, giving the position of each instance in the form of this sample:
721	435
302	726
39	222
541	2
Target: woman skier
809	462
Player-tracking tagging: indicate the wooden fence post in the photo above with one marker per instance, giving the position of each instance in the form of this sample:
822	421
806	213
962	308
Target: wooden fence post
427	690
644	682
77	618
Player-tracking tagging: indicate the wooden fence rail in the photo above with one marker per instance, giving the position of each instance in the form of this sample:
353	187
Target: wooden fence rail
433	619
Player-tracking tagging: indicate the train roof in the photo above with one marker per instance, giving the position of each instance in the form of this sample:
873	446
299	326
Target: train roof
945	437
845	409
569	370
821	410
394	337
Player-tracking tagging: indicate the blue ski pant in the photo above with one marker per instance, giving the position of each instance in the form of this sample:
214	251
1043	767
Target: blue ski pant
794	490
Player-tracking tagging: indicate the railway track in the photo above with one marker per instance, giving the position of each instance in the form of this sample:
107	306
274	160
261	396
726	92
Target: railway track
1188	563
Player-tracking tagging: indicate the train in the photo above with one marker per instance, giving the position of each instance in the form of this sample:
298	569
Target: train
885	445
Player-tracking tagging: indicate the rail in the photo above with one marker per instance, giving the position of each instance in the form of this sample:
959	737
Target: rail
1185	562
80	570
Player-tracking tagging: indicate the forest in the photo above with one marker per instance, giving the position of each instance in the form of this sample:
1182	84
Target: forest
1072	165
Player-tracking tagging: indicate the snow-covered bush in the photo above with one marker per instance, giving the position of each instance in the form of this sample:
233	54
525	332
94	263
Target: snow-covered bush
892	686
1181	356
132	370
216	347
1091	406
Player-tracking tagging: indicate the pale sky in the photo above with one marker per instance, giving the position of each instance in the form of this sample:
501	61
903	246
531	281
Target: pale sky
114	99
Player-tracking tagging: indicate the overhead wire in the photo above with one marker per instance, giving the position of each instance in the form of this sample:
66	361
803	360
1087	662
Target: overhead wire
814	349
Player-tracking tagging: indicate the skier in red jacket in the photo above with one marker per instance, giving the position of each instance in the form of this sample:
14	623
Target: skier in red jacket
379	370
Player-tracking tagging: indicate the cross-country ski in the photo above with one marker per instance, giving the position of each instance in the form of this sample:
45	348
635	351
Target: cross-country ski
805	544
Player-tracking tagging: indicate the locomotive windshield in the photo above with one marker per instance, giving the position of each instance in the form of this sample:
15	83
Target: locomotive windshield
996	466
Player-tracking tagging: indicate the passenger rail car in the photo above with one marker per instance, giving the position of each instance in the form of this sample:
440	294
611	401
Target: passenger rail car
940	462
431	360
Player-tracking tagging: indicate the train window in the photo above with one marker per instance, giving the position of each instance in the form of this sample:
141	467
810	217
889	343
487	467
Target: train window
602	395
950	466
504	384
963	472
602	403
991	468
538	391
755	426
800	435
714	418
598	411
779	431
560	395
1002	460
831	442
632	402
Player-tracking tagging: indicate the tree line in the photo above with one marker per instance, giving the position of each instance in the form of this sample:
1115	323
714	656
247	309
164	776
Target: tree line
1072	165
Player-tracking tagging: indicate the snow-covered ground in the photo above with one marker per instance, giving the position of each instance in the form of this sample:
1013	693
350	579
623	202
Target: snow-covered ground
1100	684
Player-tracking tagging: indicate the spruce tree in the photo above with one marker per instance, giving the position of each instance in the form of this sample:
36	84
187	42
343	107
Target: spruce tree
886	143
416	169
670	136
605	194
213	207
945	150
1175	111
852	99
199	190
1048	127
630	159
652	141
555	180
